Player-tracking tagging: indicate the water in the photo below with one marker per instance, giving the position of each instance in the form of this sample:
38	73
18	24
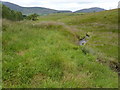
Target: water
83	41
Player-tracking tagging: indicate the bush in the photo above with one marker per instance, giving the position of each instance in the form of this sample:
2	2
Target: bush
32	17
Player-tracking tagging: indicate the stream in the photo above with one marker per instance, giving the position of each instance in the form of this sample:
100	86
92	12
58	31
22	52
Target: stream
84	40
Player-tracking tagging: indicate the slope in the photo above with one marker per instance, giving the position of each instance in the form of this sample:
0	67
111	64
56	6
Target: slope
43	54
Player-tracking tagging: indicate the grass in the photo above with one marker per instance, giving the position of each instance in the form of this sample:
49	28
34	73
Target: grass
0	53
44	53
103	29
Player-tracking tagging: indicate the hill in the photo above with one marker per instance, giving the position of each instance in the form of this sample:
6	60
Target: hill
42	10
94	9
31	10
45	53
64	11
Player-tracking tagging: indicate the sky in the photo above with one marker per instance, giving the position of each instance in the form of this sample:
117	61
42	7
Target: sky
72	5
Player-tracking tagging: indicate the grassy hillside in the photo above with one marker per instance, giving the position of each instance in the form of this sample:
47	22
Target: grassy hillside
45	53
102	27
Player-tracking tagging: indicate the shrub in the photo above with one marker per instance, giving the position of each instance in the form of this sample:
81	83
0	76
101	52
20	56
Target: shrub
32	17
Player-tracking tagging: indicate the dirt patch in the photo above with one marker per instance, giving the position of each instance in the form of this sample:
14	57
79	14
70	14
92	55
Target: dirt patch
37	79
113	65
21	53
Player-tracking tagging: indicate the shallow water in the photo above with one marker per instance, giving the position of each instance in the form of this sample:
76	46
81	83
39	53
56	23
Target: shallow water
83	41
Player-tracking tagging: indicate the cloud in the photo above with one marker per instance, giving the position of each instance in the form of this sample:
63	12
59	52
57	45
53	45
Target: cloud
67	4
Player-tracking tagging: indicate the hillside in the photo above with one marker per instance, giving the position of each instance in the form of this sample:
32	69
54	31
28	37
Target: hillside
31	10
64	11
46	53
94	9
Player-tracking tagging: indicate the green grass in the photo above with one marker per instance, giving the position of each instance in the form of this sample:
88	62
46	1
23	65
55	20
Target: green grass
44	53
103	27
1	53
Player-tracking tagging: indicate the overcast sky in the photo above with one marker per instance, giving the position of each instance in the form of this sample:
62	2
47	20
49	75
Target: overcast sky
67	4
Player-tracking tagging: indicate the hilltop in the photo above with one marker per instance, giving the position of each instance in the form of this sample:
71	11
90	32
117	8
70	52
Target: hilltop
94	9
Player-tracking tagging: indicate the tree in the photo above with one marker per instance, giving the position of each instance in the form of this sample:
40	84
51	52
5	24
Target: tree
19	16
11	14
33	17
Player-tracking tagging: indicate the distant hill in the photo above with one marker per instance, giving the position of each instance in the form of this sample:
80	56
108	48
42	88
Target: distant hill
64	11
31	10
94	9
42	10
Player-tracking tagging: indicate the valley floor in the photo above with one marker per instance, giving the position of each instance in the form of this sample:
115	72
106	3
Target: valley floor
46	53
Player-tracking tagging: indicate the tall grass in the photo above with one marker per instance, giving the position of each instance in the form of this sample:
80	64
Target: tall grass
44	55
